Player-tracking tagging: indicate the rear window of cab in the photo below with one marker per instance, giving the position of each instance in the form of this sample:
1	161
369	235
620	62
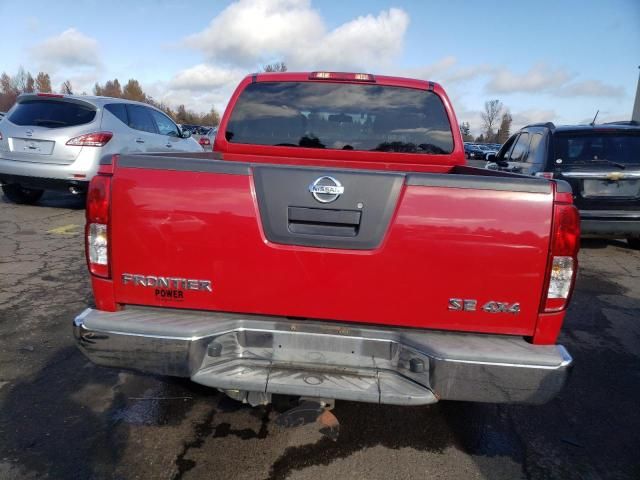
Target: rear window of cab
341	116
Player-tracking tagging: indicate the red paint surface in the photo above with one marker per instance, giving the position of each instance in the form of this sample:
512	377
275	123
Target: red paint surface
442	243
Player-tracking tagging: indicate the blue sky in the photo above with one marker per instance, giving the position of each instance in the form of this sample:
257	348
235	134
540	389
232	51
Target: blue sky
545	60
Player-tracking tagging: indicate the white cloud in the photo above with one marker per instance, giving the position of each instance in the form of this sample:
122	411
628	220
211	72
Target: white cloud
247	32
198	88
69	49
528	116
199	102
363	43
205	77
250	32
539	78
555	81
433	71
448	71
591	88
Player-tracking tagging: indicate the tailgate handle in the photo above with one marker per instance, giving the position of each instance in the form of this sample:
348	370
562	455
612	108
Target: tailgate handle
324	221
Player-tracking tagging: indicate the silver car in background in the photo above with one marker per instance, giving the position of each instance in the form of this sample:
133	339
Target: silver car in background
55	142
205	136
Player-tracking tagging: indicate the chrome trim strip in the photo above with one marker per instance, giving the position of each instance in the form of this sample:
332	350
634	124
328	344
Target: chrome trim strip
613	214
619	174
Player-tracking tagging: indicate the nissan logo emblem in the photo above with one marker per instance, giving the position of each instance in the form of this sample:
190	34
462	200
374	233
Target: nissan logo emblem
326	189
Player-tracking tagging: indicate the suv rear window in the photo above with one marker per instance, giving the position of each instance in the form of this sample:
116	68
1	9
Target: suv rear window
594	147
341	117
51	114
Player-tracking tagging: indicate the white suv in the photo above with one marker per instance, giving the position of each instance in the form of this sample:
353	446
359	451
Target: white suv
53	142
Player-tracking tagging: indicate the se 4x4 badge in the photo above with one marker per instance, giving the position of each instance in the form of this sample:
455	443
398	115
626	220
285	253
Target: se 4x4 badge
470	305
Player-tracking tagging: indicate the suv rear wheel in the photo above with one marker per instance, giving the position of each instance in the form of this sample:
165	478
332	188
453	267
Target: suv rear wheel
634	242
19	194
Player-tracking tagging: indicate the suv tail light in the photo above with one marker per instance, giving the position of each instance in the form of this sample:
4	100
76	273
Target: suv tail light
565	243
97	227
204	141
96	139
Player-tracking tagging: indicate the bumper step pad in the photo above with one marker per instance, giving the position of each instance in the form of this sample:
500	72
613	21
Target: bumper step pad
372	386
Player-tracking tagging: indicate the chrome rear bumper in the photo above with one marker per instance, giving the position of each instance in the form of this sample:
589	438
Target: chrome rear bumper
322	359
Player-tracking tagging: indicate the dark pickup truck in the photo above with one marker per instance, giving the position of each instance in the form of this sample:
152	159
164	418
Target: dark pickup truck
332	246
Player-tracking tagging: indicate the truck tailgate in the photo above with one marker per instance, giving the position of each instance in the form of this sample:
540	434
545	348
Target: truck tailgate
392	248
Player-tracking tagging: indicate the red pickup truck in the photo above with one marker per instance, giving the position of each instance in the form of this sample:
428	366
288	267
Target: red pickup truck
333	245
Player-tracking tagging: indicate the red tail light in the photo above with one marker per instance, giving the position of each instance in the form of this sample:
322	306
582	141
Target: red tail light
54	95
97	226
204	141
565	243
96	139
566	234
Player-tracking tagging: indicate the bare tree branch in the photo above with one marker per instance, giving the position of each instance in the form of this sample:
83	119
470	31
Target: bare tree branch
490	116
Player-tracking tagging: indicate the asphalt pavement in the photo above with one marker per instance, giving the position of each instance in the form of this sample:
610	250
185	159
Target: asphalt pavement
63	418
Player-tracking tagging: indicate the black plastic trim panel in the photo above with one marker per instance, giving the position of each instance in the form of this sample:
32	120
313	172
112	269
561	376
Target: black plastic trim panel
356	220
187	163
517	184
